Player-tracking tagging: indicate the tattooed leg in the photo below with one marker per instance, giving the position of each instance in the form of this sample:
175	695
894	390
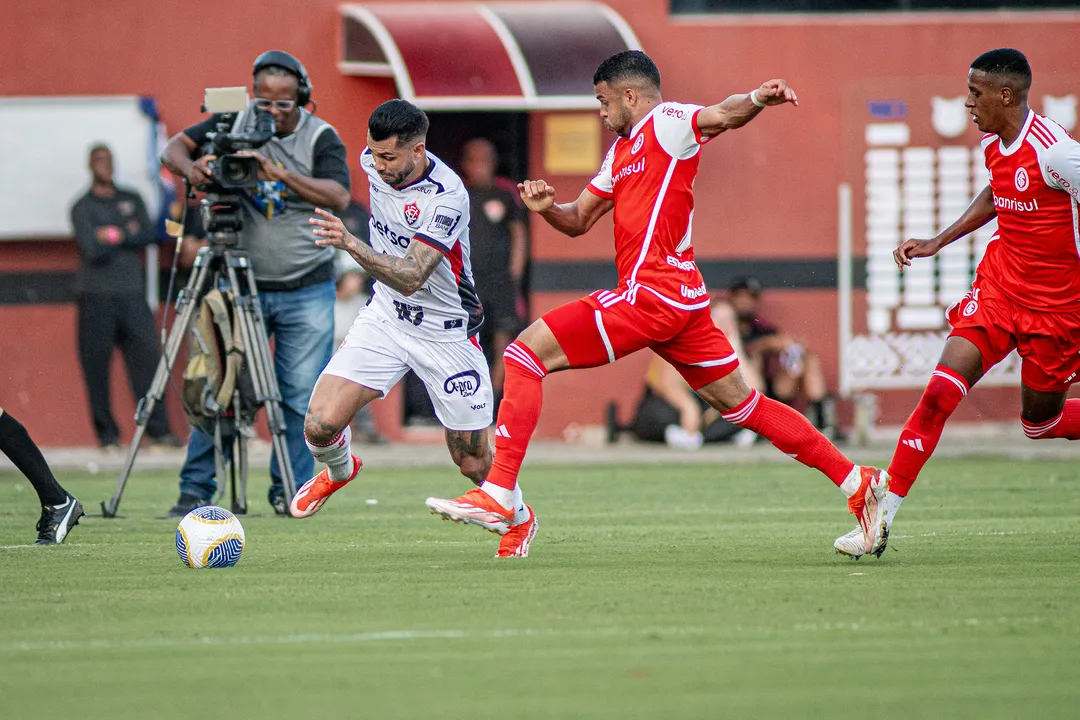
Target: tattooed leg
471	452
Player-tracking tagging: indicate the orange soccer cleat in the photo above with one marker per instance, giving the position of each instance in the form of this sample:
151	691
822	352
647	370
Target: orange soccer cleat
316	491
867	507
475	507
516	541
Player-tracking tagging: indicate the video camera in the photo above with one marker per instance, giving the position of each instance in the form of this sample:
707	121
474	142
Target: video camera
231	174
231	171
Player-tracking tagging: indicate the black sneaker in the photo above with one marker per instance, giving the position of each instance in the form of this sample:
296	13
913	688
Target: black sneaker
185	504
57	520
280	506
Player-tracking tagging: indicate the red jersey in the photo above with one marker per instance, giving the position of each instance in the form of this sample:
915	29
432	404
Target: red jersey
1035	255
650	175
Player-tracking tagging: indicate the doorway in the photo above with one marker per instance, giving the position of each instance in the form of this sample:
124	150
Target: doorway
449	131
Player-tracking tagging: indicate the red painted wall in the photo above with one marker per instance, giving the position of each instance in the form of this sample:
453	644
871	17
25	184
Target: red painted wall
765	191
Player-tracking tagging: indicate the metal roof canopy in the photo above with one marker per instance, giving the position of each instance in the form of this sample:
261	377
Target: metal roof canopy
484	56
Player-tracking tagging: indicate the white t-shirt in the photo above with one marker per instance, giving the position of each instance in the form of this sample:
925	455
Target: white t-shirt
435	211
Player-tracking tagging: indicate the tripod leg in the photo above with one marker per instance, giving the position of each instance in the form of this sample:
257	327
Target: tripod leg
219	463
257	347
186	305
243	433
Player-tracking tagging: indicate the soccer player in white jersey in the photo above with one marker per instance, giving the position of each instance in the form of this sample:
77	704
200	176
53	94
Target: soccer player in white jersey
424	316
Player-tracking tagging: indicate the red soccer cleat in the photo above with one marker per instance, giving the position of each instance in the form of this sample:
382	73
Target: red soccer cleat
316	491
867	507
516	541
475	507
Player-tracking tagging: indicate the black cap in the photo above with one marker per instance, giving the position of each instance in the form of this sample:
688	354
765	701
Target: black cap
750	284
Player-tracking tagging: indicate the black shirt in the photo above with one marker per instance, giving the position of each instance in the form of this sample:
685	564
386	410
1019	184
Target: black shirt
330	157
491	211
111	268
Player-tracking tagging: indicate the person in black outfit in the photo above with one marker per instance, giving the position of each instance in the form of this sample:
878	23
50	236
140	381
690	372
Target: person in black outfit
498	251
112	227
60	510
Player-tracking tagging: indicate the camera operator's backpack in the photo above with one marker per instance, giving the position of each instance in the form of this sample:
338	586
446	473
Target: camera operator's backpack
215	365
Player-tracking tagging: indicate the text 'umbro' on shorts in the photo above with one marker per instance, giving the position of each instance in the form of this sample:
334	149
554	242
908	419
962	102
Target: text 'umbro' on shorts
376	354
605	326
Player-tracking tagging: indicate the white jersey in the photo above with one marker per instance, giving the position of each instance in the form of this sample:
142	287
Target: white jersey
433	210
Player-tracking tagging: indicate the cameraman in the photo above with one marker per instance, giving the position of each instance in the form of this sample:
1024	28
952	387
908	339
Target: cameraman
303	166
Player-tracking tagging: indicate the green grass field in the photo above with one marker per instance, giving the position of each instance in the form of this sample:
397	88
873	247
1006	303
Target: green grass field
687	592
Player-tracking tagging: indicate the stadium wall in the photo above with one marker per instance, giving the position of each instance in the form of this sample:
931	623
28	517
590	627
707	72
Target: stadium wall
766	194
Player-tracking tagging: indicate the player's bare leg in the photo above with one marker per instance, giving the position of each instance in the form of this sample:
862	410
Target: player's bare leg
958	369
334	402
496	505
794	435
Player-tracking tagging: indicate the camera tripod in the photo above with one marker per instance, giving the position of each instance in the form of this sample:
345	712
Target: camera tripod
221	264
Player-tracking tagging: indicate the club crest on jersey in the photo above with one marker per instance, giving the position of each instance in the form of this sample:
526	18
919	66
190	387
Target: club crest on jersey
412	213
637	144
1021	179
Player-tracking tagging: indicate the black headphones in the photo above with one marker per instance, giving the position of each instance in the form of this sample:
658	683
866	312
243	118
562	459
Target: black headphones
283	59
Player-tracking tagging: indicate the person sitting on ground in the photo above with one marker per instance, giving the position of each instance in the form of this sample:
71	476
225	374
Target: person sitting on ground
791	373
672	413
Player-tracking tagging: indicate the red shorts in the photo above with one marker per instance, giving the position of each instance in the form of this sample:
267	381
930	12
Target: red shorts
1048	342
603	327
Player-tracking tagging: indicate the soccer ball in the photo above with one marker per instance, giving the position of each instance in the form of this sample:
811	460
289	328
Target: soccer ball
209	536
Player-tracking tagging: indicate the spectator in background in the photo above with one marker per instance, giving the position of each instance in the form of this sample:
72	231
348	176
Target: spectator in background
498	249
792	375
672	413
112	228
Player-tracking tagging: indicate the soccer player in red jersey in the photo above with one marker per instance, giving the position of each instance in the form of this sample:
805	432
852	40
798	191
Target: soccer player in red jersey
1026	293
660	302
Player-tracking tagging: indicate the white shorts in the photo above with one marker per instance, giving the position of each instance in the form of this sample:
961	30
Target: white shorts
376	354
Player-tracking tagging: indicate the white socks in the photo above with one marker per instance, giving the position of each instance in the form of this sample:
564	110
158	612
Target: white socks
892	504
337	456
521	514
851	483
499	494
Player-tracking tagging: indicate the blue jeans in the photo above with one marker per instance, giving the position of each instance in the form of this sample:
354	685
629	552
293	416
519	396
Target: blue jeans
301	323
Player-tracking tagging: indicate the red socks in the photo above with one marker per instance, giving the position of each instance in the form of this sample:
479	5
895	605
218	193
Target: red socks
791	433
523	397
923	429
1065	425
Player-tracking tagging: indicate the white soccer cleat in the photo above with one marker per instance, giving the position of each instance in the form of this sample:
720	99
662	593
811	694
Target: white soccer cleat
853	544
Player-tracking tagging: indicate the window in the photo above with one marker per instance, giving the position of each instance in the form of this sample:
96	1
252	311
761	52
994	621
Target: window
835	6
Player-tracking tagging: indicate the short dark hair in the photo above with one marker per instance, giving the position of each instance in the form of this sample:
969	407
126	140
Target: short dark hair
628	65
750	284
398	118
1005	62
98	147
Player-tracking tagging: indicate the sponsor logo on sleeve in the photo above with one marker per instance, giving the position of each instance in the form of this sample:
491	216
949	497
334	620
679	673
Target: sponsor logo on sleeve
444	221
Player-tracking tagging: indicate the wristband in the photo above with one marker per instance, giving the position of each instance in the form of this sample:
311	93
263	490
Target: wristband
754	99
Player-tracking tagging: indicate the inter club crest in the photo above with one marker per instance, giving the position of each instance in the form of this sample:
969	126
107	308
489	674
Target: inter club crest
1021	179
412	213
637	144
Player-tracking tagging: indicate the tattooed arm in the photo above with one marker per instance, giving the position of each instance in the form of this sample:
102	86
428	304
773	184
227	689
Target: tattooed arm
404	274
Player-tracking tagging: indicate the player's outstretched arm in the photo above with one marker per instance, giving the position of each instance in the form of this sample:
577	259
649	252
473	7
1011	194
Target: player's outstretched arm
978	213
405	274
571	219
740	109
